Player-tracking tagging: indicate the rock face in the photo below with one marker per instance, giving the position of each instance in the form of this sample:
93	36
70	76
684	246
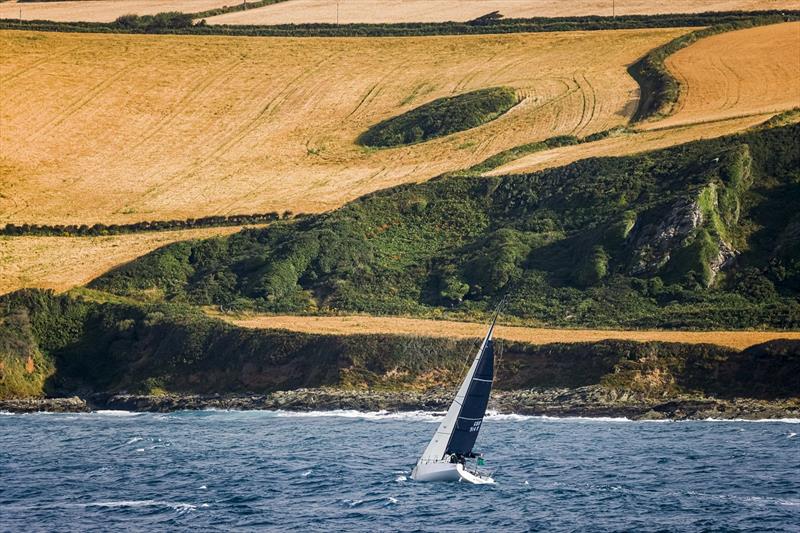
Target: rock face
590	401
653	243
686	225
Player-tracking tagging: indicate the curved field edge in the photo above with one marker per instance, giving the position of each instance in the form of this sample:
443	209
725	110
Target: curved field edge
532	25
441	117
660	90
558	151
60	345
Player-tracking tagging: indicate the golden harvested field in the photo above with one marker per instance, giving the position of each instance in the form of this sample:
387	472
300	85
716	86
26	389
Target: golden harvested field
61	263
377	11
445	328
748	71
729	82
122	128
101	10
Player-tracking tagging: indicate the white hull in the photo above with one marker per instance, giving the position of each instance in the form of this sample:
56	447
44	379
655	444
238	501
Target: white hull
441	471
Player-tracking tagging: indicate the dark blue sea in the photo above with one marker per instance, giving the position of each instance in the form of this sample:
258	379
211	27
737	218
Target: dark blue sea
251	471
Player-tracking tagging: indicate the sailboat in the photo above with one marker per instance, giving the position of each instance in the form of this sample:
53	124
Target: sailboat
445	458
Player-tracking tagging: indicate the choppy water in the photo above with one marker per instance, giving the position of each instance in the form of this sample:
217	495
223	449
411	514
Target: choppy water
221	471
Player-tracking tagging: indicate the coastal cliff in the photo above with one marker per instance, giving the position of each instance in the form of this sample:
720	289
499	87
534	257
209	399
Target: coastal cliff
162	357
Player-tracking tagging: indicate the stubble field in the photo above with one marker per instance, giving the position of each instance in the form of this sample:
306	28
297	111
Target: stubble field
123	128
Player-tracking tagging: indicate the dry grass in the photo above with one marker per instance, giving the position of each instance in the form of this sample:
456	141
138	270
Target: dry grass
61	263
743	72
101	10
121	128
443	328
376	11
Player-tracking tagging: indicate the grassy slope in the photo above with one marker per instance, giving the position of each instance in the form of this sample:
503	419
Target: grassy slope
588	244
83	346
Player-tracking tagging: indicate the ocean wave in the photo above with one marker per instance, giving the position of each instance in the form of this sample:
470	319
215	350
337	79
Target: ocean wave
177	506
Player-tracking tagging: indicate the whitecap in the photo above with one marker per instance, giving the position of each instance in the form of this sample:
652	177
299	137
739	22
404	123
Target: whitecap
400	479
140	449
203	487
353	503
306	473
791	435
391	501
178	506
114	412
134	439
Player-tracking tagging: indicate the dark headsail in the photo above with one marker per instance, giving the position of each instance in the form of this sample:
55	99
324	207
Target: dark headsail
470	417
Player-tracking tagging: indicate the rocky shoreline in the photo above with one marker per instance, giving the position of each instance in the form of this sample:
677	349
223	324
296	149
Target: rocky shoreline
592	401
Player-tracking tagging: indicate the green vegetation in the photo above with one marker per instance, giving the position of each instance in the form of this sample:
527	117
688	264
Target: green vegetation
703	235
540	24
82	346
659	90
441	117
171	20
83	230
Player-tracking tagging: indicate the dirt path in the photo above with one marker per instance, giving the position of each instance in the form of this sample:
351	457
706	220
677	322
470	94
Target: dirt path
445	328
628	144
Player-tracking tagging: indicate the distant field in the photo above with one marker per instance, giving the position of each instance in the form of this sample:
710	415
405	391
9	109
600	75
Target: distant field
729	82
377	11
123	128
101	10
61	263
446	328
742	72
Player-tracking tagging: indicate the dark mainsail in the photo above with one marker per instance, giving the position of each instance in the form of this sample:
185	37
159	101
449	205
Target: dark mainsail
470	417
